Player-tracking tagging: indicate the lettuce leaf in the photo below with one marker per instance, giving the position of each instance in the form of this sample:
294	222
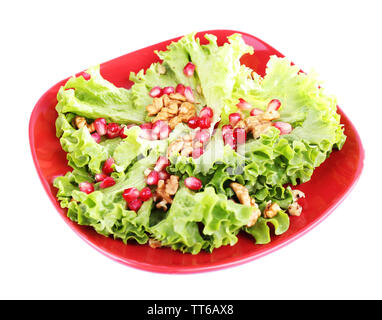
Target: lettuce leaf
98	98
81	147
218	218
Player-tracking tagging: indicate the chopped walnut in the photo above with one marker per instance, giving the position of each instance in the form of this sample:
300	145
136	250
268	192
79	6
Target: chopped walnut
295	208
80	122
155	107
186	151
172	185
241	193
153	243
244	198
269	115
184	146
258	130
177	96
175	147
258	124
271	210
165	190
255	215
187	110
297	194
174	122
91	127
172	108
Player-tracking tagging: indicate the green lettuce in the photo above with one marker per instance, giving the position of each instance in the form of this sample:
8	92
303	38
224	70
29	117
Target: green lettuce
98	98
203	220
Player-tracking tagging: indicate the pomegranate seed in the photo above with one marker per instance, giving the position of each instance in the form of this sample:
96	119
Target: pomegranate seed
162	163
135	205
189	94
156	92
113	130
168	90
165	132
108	166
101	126
147	125
100	177
161	129
204	123
234	118
107	182
197	152
202	136
274	105
189	69
86	187
284	127
122	133
227	129
244	105
193	123
180	88
96	137
145	194
206	112
240	135
163	175
152	178
256	112
230	140
147	134
193	183
156	127
216	125
130	194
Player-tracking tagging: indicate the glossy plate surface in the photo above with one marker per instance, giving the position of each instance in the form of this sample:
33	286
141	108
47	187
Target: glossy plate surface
338	174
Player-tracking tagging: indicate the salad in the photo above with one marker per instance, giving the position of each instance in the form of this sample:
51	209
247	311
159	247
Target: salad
199	149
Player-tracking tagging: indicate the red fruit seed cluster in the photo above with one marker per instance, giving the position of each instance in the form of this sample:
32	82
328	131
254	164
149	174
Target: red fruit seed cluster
135	198
104	178
110	130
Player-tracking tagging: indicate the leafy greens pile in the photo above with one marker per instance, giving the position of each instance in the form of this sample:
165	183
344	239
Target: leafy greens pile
206	219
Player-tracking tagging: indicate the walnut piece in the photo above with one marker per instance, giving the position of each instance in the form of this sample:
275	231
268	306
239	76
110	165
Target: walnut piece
295	208
241	193
172	108
165	190
258	124
297	194
177	96
153	243
271	210
175	146
184	145
80	122
244	198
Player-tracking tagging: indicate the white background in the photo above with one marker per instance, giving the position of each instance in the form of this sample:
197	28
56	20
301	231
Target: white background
43	42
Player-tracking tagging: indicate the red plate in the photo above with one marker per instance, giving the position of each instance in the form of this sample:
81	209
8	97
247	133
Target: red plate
338	174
